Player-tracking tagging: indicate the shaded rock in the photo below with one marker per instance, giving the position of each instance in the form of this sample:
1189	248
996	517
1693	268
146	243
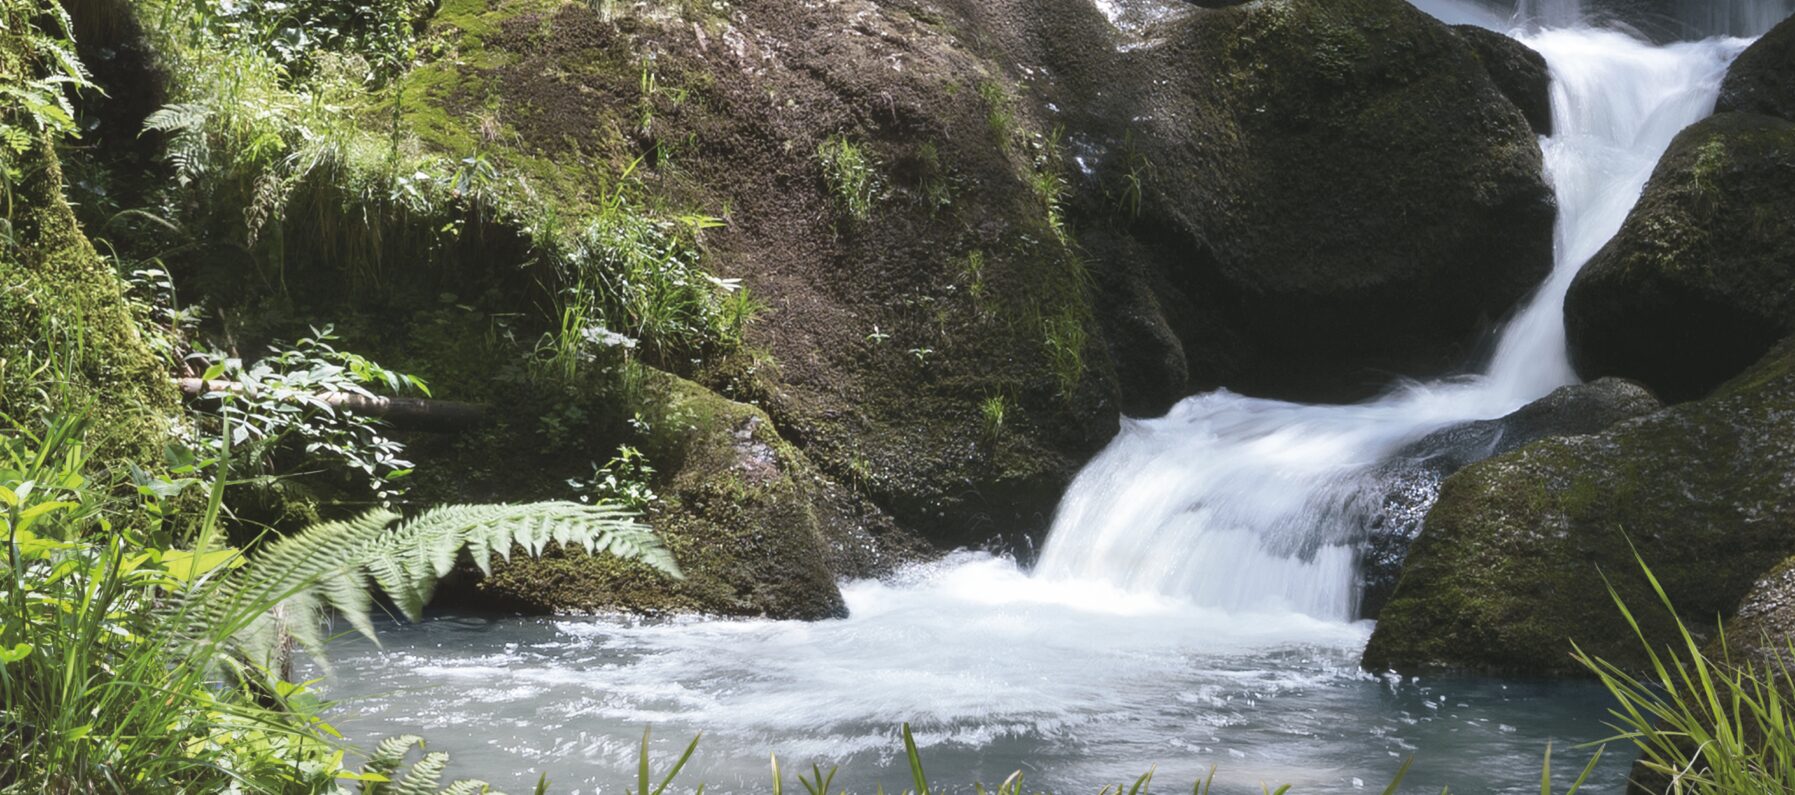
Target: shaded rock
743	511
1697	285
1344	187
1518	70
1762	80
1515	559
1762	627
1410	483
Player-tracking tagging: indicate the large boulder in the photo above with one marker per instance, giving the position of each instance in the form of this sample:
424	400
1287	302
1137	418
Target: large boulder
1699	282
1404	488
756	529
1344	190
1762	80
1516	559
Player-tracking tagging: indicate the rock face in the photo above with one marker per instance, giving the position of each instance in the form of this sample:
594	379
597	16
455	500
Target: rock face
1410	483
1520	72
1762	627
1762	80
1512	562
1698	283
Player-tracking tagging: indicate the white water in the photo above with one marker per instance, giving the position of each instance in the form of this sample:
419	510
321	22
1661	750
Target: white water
1239	503
1192	606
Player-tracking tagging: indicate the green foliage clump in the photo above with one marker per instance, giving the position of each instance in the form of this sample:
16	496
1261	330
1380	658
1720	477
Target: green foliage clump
851	173
38	67
136	655
1704	723
280	407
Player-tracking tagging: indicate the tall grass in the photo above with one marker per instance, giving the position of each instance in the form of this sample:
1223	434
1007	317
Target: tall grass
1704	722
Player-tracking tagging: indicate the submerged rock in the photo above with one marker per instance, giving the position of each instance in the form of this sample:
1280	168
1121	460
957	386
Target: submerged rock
1410	483
1516	559
1698	283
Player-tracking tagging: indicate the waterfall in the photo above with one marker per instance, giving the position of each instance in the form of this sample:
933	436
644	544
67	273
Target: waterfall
1250	505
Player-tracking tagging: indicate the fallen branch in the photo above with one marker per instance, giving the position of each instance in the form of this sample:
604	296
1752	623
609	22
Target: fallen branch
417	414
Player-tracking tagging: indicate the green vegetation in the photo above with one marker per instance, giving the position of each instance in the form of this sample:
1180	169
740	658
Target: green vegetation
850	171
993	411
1703	722
140	653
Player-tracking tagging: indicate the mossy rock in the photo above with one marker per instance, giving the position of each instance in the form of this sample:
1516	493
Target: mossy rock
1515	560
1762	79
69	341
1698	284
740	510
1408	484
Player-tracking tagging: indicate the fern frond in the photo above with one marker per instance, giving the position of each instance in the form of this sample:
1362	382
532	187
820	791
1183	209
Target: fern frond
422	778
387	757
178	118
334	565
469	787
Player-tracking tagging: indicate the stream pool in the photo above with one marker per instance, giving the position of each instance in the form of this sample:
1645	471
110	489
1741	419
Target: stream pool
1077	685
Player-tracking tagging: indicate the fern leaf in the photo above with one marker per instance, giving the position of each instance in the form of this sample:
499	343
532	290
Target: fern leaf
422	778
385	760
469	787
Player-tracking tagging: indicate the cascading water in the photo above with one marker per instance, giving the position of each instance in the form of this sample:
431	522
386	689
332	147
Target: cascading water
1241	503
1192	606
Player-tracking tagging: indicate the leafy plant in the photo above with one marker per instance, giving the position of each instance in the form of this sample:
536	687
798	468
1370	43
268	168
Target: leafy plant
283	402
625	480
850	173
129	663
1706	725
38	69
993	412
1064	338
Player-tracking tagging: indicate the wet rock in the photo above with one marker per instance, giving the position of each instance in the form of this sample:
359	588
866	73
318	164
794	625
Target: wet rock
1697	284
1516	559
1762	80
1520	72
1343	188
1410	483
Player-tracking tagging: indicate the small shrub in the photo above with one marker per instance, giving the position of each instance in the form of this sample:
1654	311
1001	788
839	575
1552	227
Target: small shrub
1064	337
993	413
849	171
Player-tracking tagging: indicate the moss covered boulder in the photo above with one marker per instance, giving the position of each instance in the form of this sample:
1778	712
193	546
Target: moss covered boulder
1518	70
1515	560
1699	283
1408	484
889	196
1762	80
749	519
1344	187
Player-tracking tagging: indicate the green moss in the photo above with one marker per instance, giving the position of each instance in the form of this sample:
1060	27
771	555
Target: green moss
69	341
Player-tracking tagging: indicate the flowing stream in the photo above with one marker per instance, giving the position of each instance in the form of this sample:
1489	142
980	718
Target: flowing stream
1193	605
